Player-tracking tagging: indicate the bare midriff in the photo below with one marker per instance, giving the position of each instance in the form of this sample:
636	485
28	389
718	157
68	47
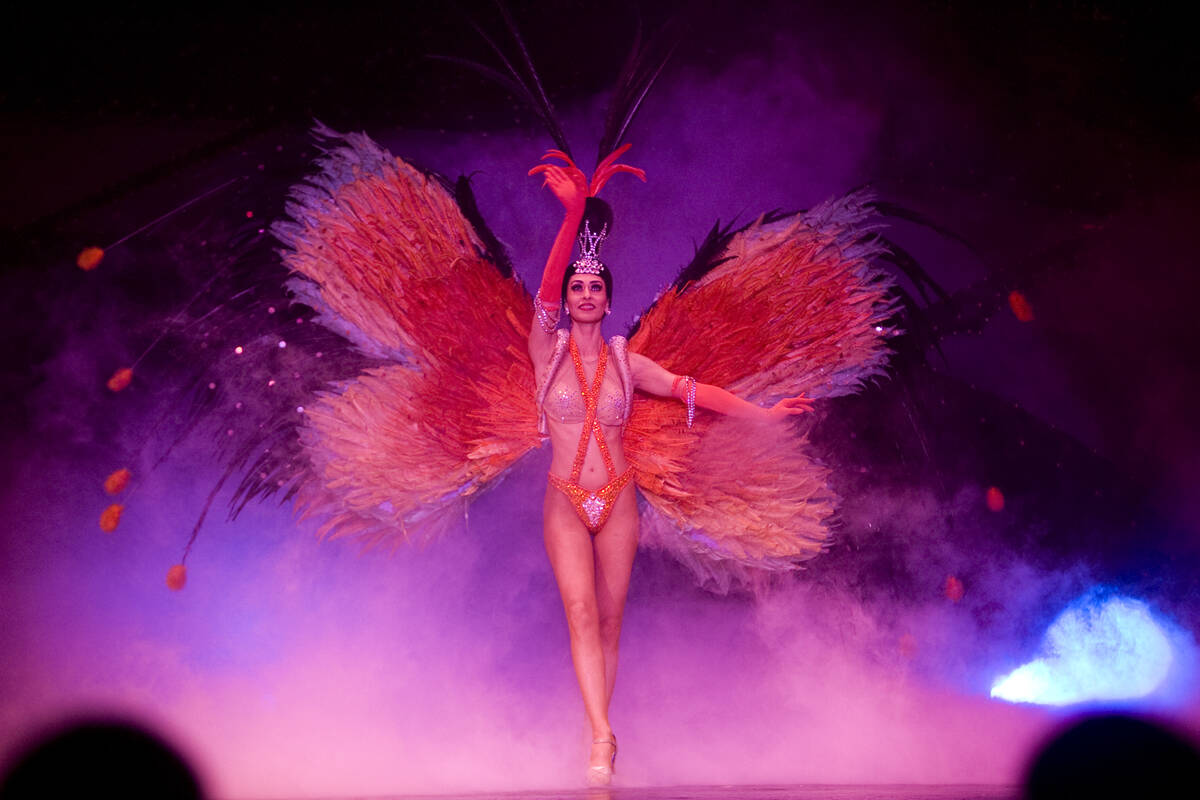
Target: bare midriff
564	440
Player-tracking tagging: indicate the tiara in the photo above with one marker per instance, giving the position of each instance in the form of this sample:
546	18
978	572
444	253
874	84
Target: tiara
589	246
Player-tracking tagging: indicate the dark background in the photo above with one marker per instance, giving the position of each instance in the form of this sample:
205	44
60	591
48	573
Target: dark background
79	86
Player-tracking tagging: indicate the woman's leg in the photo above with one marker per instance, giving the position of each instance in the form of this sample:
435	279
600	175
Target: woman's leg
615	547
569	546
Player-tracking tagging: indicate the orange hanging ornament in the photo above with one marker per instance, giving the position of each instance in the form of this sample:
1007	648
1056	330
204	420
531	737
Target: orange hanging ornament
176	577
89	258
117	481
120	379
110	518
995	499
954	589
1020	306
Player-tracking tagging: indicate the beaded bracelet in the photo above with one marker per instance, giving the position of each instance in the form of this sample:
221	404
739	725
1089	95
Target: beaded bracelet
547	318
688	396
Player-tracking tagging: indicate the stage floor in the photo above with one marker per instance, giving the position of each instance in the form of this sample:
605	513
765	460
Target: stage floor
794	792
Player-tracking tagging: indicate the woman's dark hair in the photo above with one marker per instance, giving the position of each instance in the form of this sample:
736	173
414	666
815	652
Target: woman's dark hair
597	216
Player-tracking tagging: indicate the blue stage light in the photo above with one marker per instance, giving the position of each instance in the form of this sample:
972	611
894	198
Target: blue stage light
1101	648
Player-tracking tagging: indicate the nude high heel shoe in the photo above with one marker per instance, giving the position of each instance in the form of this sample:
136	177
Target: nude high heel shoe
602	775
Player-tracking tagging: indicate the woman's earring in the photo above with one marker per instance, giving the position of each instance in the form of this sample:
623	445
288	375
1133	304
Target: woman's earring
608	311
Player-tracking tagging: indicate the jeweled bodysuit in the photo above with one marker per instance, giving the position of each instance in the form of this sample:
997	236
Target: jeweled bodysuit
593	506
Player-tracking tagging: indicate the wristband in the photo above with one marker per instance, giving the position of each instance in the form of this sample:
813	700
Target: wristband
688	396
546	317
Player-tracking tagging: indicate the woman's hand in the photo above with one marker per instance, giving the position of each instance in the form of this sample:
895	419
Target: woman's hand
790	407
568	183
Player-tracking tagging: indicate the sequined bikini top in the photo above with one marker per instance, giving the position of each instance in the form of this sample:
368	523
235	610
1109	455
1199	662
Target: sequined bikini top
567	405
564	401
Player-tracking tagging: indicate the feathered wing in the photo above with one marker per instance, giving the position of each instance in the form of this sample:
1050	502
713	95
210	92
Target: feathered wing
787	305
387	256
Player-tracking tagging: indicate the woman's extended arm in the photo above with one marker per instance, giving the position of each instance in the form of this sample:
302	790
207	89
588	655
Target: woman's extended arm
714	398
650	377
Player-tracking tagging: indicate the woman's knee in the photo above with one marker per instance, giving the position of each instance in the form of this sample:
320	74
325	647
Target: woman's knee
610	630
582	616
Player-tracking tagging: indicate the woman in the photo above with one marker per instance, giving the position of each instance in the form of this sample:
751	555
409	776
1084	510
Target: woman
590	512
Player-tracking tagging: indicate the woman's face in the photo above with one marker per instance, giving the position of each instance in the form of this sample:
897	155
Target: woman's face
587	300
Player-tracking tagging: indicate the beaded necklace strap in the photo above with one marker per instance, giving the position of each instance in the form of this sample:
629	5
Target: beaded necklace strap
591	402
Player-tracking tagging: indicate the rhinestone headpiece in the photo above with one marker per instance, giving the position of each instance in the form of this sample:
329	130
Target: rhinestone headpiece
589	248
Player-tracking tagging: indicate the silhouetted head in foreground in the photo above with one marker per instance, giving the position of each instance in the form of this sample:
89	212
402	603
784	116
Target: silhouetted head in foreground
1115	756
99	758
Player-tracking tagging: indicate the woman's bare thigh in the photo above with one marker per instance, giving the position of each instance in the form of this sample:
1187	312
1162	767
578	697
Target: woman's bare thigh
569	548
614	548
591	568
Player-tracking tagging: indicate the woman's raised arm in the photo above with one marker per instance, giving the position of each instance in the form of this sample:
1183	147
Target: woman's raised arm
570	186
